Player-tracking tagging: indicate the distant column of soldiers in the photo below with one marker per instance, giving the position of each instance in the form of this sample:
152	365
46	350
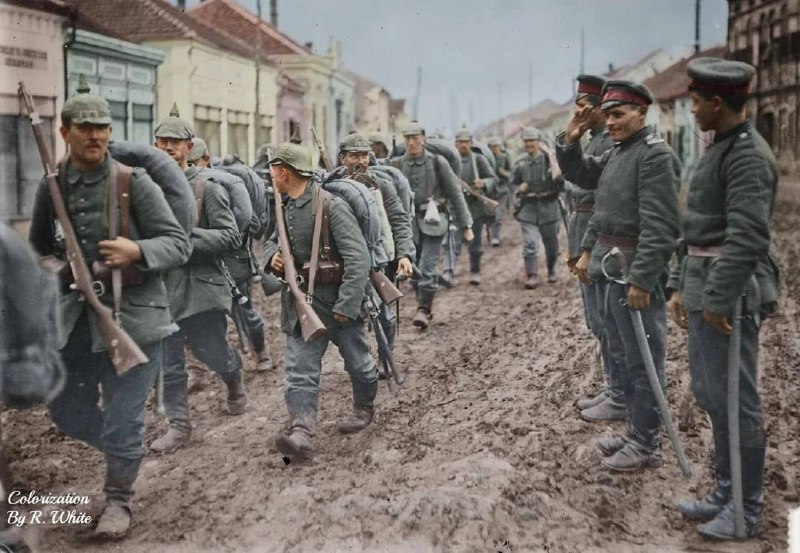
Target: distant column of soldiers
177	284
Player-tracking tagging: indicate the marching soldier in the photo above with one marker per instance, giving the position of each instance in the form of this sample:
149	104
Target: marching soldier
379	145
484	182
636	212
434	185
536	207
504	174
610	403
199	296
338	304
726	232
98	406
397	232
238	263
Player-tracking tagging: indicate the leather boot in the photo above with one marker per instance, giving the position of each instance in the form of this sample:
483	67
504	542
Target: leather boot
237	398
364	393
176	436
532	282
296	444
711	505
609	445
585	403
446	279
552	275
723	527
475	279
633	457
606	410
116	518
263	360
422	318
532	270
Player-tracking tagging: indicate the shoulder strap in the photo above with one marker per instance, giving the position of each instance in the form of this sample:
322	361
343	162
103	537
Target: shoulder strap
321	231
124	183
113	232
199	192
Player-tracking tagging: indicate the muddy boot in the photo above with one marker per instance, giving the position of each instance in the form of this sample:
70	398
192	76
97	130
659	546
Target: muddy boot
177	436
711	505
297	444
424	310
588	402
475	279
723	526
633	457
609	445
116	518
607	410
446	279
532	282
552	275
364	393
263	360
531	269
237	398
495	242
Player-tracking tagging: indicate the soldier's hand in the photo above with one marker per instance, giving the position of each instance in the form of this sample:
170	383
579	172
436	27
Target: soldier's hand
571	261
119	252
404	267
341	318
582	267
677	312
638	298
718	322
578	124
469	236
276	263
523	188
478	183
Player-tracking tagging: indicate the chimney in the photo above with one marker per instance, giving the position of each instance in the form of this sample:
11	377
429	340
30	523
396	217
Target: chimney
309	45
273	12
182	5
610	68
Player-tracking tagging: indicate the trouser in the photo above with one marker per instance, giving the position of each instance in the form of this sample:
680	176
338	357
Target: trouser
253	322
303	361
116	429
206	333
497	219
548	234
644	419
387	314
595	306
429	248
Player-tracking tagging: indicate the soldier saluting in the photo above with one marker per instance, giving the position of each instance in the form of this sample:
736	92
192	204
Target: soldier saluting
153	242
636	212
726	232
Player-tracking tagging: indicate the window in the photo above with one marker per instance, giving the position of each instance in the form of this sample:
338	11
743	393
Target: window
119	120
142	128
20	166
237	133
207	125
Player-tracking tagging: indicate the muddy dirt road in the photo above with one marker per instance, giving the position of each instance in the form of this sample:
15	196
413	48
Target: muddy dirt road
481	450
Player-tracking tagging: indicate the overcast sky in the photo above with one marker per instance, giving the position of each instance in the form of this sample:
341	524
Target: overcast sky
470	49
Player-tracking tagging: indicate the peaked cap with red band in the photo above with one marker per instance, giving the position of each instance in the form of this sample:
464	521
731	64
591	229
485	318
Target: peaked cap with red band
625	92
589	84
719	76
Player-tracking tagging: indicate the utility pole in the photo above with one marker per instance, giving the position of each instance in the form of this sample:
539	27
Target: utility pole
273	12
696	27
583	53
257	114
416	95
500	102
530	90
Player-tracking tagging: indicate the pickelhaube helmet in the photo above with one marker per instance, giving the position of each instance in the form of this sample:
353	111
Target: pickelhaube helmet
85	107
174	127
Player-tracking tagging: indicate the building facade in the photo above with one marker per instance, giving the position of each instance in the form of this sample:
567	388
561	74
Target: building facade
766	34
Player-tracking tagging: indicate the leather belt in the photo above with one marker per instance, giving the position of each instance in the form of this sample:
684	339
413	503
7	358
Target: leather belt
584	208
609	241
704	251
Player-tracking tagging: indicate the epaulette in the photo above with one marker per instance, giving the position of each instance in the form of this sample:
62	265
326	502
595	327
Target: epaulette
653	139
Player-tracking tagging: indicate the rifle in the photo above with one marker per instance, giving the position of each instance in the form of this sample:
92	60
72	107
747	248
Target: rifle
488	203
323	151
239	299
310	324
385	357
123	351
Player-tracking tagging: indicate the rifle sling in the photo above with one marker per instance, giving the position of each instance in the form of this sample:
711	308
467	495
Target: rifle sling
321	232
199	193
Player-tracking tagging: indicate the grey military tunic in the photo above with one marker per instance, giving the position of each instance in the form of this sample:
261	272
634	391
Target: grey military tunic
430	176
637	184
504	174
535	170
399	221
486	174
199	285
145	314
582	199
730	201
347	245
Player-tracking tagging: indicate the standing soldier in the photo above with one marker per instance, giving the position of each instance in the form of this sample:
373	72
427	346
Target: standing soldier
397	235
536	207
199	296
434	185
97	405
636	212
504	174
239	264
338	304
610	403
726	232
484	182
379	145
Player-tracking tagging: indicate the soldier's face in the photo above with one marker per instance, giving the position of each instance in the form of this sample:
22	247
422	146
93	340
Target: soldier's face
414	144
203	162
706	111
624	121
280	176
380	150
176	148
531	146
597	116
463	146
495	150
356	162
88	143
